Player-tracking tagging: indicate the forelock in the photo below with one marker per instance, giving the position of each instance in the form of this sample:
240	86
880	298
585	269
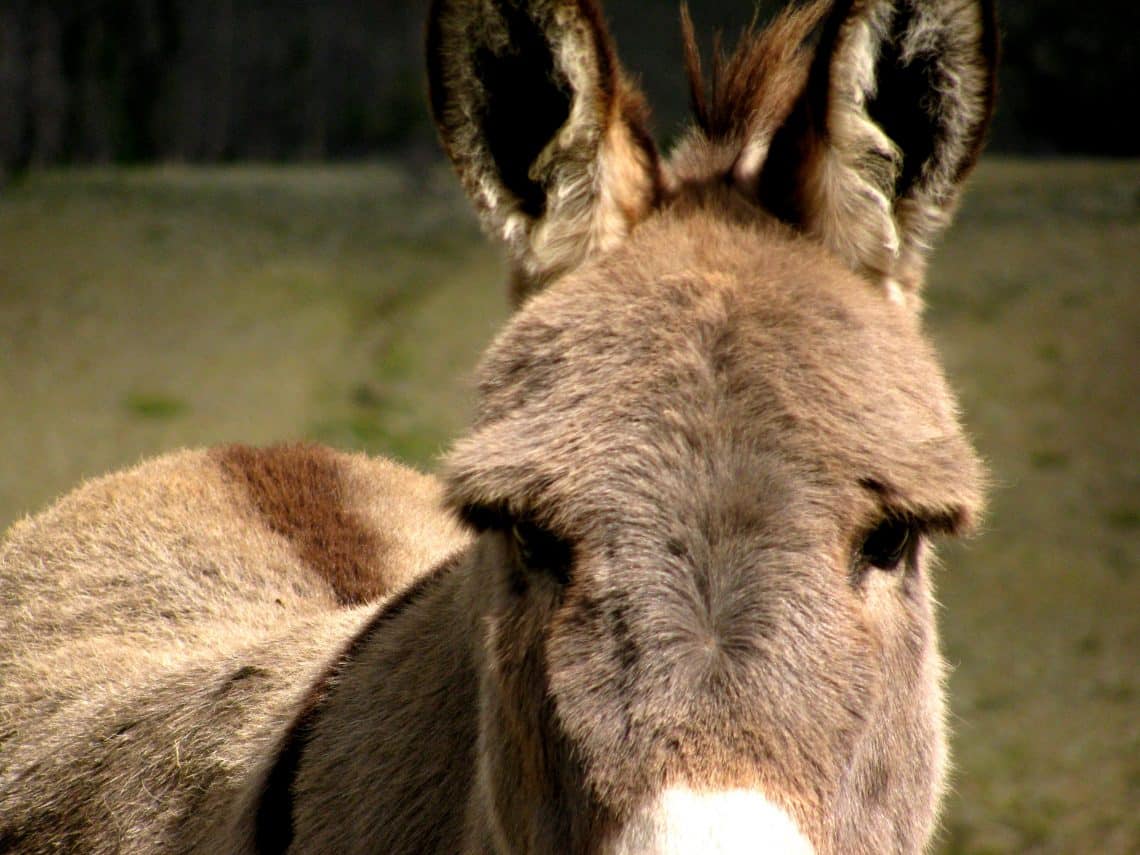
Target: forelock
751	90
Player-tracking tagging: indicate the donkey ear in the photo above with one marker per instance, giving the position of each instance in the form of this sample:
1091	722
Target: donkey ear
892	118
547	135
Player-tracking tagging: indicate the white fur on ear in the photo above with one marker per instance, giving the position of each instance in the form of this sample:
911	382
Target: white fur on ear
956	44
872	156
556	193
849	184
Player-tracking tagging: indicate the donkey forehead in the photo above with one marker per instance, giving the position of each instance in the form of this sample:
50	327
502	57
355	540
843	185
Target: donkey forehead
717	352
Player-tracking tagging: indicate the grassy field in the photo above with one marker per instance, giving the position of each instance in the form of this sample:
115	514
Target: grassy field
142	311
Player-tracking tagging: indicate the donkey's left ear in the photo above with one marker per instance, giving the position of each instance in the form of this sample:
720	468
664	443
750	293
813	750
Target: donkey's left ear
893	116
548	136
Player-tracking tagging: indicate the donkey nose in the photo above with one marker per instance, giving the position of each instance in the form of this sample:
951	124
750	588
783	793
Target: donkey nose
721	822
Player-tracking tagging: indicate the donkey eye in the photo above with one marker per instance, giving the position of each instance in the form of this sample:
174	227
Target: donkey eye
887	544
541	550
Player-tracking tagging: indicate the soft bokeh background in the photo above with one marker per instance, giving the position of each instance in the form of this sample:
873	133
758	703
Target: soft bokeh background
206	80
225	220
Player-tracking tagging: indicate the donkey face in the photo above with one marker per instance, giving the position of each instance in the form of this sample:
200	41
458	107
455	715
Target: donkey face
709	453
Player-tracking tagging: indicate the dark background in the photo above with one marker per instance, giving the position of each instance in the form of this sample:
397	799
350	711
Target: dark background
225	80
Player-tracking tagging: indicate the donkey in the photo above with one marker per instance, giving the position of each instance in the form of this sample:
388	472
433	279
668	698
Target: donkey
690	608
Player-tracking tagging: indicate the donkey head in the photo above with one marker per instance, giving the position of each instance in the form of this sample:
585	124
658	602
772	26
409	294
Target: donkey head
713	443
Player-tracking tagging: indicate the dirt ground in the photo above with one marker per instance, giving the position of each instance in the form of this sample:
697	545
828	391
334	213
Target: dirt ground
146	310
1035	303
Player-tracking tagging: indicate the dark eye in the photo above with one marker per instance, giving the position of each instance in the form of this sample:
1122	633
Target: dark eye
541	550
887	544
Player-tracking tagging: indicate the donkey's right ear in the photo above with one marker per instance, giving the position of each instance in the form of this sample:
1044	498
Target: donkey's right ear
548	136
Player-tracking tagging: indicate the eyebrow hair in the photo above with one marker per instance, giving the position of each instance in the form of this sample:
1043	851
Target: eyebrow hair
878	486
947	519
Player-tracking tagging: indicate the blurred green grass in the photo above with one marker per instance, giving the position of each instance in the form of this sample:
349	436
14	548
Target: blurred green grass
142	310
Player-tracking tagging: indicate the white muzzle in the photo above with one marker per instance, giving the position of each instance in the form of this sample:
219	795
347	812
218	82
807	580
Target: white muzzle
725	822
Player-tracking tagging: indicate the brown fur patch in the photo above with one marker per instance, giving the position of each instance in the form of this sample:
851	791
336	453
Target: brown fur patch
297	490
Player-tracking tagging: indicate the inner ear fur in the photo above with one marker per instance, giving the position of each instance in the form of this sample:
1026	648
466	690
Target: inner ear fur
547	135
892	118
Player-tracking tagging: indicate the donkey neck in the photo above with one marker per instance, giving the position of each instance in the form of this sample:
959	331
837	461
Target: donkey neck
386	751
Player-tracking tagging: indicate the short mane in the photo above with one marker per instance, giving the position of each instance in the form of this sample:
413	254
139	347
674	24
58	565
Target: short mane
752	90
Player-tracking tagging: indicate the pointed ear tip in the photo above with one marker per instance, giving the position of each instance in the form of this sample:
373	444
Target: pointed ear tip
991	37
435	41
989	54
